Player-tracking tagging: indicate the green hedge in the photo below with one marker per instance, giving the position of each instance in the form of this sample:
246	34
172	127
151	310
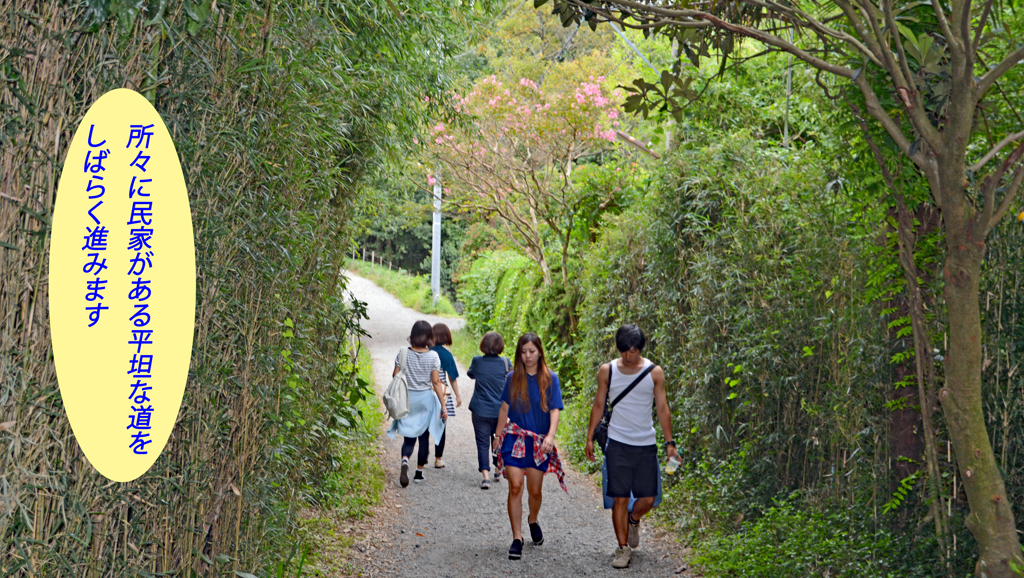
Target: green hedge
412	290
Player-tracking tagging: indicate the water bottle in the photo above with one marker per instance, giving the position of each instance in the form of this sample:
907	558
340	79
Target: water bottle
670	467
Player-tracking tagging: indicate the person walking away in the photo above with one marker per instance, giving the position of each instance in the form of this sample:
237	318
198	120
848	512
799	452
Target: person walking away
449	377
530	404
426	394
632	452
489	370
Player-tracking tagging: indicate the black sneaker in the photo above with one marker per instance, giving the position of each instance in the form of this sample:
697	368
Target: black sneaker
536	534
419	476
404	477
515	551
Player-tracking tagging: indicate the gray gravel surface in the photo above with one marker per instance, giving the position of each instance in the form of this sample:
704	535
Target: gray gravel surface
448	527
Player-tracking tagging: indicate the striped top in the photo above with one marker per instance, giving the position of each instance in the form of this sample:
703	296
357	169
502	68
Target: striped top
418	367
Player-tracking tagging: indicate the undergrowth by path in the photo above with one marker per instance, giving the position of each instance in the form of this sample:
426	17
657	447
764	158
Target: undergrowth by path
412	290
326	534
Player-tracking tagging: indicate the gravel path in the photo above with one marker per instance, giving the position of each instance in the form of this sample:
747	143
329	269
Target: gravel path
448	527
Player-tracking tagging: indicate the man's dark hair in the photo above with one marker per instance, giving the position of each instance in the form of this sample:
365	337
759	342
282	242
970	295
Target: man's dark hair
492	344
422	334
628	337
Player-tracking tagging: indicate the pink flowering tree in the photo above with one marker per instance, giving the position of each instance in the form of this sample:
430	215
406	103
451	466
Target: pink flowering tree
512	159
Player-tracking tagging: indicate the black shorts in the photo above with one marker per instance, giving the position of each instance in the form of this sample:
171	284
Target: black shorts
632	469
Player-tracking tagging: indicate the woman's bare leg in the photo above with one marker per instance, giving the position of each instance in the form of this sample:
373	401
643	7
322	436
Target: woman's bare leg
534	485
515	500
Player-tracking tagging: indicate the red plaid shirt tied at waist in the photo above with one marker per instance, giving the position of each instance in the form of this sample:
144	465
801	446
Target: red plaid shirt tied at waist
519	450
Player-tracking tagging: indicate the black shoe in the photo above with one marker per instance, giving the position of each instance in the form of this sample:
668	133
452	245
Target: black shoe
515	551
404	477
536	534
418	477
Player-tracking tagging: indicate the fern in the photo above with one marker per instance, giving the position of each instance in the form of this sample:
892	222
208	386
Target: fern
900	495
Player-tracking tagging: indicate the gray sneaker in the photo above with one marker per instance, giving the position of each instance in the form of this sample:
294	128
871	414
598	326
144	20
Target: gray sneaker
622	556
633	537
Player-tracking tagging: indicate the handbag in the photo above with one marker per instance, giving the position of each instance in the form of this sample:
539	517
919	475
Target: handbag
601	431
396	396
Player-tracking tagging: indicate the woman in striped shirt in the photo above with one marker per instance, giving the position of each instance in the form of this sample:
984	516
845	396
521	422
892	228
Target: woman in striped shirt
426	409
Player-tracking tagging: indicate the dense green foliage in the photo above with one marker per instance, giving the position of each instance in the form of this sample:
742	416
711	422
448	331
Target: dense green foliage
765	277
412	290
280	111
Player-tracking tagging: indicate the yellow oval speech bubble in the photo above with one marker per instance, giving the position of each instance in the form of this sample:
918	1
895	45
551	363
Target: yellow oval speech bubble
122	285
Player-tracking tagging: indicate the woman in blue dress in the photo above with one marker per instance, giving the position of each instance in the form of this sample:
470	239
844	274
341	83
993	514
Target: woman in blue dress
528	420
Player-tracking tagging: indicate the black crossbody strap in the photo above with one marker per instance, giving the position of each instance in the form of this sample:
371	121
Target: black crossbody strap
636	381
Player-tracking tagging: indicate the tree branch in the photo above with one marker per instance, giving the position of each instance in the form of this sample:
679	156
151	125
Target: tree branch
992	75
981	25
944	24
819	27
717	22
878	113
995	150
918	101
874	47
1011	194
989	218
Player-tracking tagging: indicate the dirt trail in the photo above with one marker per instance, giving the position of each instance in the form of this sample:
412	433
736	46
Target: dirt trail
448	527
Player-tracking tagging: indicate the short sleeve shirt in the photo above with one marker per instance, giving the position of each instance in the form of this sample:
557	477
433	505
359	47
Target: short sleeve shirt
447	364
533	418
489	371
418	367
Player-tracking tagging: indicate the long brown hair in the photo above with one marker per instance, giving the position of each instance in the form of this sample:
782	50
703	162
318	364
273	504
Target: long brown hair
519	393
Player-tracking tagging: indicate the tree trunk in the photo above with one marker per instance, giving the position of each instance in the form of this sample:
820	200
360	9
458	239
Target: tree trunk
905	439
991	519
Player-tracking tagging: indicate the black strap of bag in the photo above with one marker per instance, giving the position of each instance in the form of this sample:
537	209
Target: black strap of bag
601	431
628	389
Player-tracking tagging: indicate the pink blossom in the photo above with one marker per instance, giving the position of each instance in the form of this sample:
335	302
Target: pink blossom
447	190
600	79
528	83
608	135
431	180
414	141
438	140
613	113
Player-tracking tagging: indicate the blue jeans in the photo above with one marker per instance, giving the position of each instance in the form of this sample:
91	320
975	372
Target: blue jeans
484	429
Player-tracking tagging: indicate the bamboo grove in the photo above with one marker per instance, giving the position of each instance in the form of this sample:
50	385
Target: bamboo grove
278	110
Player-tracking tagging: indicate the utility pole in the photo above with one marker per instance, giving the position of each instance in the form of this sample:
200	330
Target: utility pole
435	249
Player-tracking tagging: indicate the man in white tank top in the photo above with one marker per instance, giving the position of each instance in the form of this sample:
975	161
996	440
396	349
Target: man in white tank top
632	452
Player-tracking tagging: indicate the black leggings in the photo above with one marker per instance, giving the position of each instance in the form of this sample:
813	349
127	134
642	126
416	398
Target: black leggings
424	450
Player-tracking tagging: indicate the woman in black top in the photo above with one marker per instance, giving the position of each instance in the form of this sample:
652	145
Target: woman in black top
489	371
